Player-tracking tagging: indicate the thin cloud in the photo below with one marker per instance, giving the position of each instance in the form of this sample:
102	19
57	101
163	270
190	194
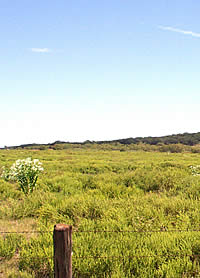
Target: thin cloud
41	50
185	32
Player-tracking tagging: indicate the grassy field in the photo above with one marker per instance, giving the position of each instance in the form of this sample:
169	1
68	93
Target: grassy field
152	194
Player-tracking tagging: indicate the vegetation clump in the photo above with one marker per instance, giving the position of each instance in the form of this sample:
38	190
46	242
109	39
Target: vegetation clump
25	172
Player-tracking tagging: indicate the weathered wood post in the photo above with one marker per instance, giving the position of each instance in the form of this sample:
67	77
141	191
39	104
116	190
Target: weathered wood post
62	237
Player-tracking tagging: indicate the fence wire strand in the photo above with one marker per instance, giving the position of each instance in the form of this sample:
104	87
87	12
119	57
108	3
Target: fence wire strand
114	257
105	231
136	231
137	256
26	232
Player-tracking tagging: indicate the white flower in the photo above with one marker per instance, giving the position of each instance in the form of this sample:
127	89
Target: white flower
25	171
195	170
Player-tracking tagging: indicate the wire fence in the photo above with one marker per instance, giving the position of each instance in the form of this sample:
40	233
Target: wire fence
121	258
105	231
116	231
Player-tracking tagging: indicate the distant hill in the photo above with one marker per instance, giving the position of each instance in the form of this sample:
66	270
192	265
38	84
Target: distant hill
188	139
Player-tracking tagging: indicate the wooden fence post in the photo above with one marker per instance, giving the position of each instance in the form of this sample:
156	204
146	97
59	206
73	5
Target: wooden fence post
62	237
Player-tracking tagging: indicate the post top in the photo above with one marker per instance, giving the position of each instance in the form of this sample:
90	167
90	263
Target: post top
62	227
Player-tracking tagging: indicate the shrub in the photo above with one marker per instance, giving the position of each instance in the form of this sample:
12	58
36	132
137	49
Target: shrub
25	172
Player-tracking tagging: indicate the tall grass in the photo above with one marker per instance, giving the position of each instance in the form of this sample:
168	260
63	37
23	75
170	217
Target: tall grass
105	190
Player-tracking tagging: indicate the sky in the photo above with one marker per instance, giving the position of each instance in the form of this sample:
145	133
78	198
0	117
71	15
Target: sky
98	70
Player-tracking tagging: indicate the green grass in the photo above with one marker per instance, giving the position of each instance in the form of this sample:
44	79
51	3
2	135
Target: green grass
105	190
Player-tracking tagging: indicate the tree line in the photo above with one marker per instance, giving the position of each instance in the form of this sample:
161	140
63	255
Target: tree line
161	143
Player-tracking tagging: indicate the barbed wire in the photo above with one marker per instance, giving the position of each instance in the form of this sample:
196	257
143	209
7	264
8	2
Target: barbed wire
75	255
26	232
136	231
138	256
112	257
105	231
48	260
184	274
28	258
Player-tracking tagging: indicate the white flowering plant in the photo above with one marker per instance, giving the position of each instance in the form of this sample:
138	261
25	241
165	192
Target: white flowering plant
195	170
25	172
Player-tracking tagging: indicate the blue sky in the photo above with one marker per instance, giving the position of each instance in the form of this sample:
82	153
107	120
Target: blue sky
98	70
